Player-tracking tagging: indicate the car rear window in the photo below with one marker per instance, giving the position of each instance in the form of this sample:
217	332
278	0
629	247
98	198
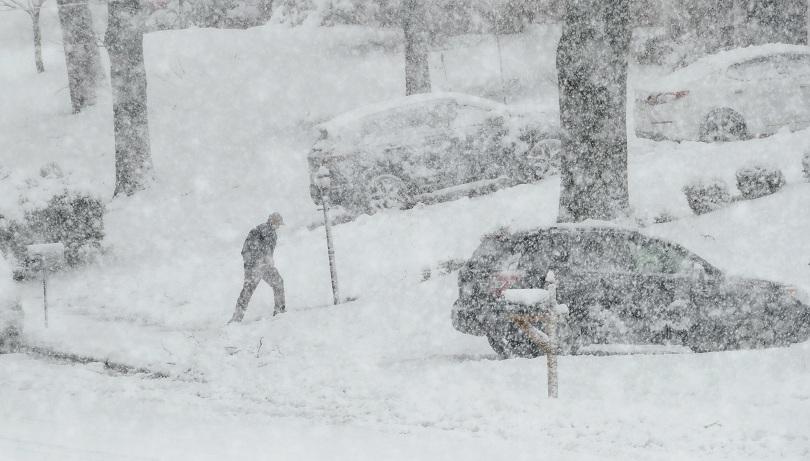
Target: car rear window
543	252
493	250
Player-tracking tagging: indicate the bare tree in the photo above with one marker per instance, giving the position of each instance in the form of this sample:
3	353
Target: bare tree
32	7
417	46
81	52
124	41
592	75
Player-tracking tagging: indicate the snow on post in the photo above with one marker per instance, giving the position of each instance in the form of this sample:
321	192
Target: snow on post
539	306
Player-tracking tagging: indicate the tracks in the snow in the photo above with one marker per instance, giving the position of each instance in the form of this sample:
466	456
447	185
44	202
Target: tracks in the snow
113	367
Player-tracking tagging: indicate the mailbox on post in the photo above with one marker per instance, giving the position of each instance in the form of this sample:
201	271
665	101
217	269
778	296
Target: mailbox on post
539	307
46	257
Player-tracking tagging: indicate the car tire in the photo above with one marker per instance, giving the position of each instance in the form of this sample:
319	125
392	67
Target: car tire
722	125
540	161
387	191
497	344
510	343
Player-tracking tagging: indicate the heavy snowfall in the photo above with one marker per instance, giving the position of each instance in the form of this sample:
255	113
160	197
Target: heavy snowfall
476	229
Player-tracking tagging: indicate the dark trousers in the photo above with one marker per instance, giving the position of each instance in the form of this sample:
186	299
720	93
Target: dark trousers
253	275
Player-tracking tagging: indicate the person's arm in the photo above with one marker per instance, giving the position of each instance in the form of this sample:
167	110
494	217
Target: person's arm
250	243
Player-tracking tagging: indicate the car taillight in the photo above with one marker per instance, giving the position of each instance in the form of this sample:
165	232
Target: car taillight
663	98
502	281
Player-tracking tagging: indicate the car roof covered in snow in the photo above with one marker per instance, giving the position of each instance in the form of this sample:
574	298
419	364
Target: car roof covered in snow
347	120
707	65
590	225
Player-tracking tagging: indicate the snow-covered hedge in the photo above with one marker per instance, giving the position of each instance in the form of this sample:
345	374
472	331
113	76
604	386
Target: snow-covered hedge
755	181
447	17
10	313
226	14
706	195
48	208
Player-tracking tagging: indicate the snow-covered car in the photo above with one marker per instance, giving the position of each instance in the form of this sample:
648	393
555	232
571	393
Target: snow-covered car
731	95
412	149
11	315
622	287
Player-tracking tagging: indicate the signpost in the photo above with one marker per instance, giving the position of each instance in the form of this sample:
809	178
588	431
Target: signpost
47	257
324	180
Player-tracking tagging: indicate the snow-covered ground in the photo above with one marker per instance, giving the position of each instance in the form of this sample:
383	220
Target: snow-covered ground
385	376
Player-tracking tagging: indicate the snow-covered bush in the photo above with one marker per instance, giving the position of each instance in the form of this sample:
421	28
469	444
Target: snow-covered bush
664	216
75	219
10	312
446	17
757	181
178	14
705	196
48	208
806	165
360	12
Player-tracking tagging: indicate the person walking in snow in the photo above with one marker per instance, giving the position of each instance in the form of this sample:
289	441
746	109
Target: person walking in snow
257	254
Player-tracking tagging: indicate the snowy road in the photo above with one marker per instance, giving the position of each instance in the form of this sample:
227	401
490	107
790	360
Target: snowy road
751	406
54	411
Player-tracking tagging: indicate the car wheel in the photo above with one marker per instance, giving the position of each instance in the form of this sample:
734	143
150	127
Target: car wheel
540	161
387	191
723	124
512	343
498	345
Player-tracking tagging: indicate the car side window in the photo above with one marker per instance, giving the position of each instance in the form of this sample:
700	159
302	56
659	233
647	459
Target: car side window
470	116
602	253
653	257
757	69
785	66
795	66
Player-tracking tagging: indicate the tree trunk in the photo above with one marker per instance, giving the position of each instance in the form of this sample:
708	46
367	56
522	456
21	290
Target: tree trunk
417	47
81	52
37	40
592	75
124	41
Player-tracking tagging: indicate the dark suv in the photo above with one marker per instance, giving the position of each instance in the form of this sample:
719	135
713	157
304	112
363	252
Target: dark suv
622	287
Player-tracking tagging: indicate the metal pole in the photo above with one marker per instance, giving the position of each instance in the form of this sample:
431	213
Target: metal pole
331	251
551	355
45	291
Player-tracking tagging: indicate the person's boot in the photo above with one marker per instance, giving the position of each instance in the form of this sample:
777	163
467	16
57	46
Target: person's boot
279	310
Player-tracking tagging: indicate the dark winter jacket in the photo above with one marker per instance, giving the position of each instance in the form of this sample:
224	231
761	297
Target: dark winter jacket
259	244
